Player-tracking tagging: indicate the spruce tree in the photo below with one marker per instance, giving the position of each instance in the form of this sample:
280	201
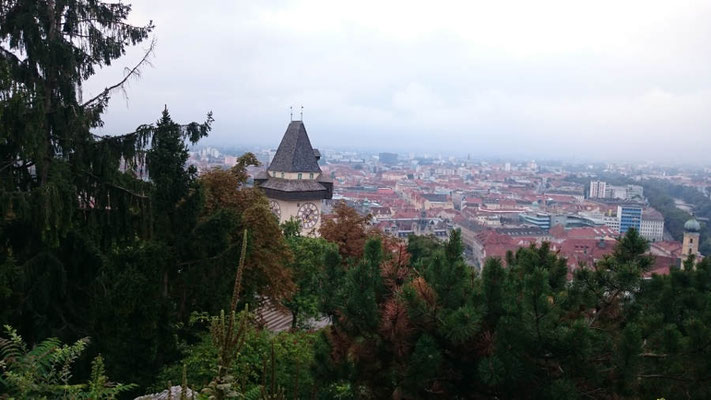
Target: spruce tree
89	241
55	175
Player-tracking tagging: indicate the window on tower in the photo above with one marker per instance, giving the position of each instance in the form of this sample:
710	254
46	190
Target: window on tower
311	175
299	175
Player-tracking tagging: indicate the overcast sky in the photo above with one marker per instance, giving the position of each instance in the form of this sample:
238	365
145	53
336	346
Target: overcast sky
537	79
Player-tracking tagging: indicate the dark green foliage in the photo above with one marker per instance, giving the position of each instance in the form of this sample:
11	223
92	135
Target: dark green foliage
130	316
229	360
45	371
333	278
361	289
523	330
424	366
50	163
293	353
87	246
308	266
673	323
421	247
291	228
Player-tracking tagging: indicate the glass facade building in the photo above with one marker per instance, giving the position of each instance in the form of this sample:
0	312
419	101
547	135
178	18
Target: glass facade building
629	217
542	221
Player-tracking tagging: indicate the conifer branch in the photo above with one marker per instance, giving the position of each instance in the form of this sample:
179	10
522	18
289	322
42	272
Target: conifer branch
136	70
211	258
129	191
10	56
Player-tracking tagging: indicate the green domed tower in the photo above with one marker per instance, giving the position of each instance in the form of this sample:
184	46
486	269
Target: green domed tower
690	245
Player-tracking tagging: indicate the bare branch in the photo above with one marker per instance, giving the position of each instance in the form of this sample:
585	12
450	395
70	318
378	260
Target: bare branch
668	377
7	54
129	191
136	70
14	166
653	355
6	165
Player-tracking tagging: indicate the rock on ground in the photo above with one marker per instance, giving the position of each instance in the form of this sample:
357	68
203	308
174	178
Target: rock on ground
174	391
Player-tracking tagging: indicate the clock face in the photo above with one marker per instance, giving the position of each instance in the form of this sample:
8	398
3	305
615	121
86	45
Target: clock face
274	207
308	215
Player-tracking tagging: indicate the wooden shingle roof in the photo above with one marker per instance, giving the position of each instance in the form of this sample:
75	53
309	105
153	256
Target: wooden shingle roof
295	153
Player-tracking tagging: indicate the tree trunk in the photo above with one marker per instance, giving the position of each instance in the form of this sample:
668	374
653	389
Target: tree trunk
49	82
294	314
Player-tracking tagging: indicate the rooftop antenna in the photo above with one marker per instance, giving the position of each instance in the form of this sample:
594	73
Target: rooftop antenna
302	113
291	113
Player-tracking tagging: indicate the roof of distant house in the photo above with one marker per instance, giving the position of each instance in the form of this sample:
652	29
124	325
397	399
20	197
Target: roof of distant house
651	214
434	197
593	232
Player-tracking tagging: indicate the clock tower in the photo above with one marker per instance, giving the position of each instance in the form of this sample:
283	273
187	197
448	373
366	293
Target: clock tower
294	183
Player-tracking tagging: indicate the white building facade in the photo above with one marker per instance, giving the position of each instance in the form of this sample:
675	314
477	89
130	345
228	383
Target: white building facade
597	189
652	226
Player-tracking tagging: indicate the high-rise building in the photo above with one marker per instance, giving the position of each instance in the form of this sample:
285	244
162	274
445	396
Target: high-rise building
293	182
597	189
629	217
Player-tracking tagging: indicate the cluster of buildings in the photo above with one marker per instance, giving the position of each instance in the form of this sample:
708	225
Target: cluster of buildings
601	190
499	207
206	158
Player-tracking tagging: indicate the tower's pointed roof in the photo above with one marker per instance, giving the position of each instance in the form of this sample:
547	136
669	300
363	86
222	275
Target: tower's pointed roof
295	153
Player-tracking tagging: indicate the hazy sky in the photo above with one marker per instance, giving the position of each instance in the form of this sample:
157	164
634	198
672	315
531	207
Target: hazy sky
540	79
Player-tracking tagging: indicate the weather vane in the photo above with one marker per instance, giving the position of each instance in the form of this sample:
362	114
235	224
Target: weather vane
302	113
291	113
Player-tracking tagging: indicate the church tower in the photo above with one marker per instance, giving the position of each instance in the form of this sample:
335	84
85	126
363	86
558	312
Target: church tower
690	244
294	183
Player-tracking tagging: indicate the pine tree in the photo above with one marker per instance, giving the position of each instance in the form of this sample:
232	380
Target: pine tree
674	326
437	330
